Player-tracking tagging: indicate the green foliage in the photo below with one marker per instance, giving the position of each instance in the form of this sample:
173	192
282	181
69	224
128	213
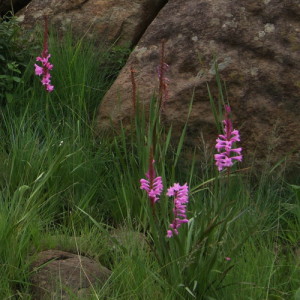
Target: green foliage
182	258
15	51
114	59
297	295
62	188
290	218
48	152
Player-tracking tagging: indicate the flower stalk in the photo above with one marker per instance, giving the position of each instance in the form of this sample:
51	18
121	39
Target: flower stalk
163	80
46	67
180	194
153	184
225	144
133	83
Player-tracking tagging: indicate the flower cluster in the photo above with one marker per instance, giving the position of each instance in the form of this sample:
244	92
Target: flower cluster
152	185
46	67
225	143
180	194
44	71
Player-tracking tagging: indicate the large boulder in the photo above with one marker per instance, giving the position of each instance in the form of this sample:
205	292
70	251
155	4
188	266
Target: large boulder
62	275
103	20
257	47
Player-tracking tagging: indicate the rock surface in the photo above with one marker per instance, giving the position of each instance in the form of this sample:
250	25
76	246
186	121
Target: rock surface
103	20
257	46
57	274
128	239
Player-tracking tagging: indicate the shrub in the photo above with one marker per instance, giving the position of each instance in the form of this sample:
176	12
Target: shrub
14	54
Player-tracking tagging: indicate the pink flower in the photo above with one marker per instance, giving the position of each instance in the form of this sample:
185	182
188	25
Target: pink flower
46	79
44	70
38	70
226	142
180	194
44	59
49	88
152	185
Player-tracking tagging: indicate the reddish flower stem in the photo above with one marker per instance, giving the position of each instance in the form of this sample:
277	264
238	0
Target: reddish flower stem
151	179
46	36
163	85
133	83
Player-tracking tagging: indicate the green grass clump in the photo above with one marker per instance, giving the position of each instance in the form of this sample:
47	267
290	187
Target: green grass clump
62	188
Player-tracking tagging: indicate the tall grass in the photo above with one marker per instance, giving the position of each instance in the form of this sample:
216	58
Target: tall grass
50	160
58	181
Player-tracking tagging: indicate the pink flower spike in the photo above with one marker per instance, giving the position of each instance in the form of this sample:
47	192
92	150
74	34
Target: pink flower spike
180	194
153	186
44	70
225	143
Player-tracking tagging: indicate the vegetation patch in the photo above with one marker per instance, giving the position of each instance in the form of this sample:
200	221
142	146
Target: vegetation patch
205	231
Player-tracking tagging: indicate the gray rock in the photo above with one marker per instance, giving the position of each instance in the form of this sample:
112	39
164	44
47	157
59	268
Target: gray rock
128	238
257	46
105	20
59	275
